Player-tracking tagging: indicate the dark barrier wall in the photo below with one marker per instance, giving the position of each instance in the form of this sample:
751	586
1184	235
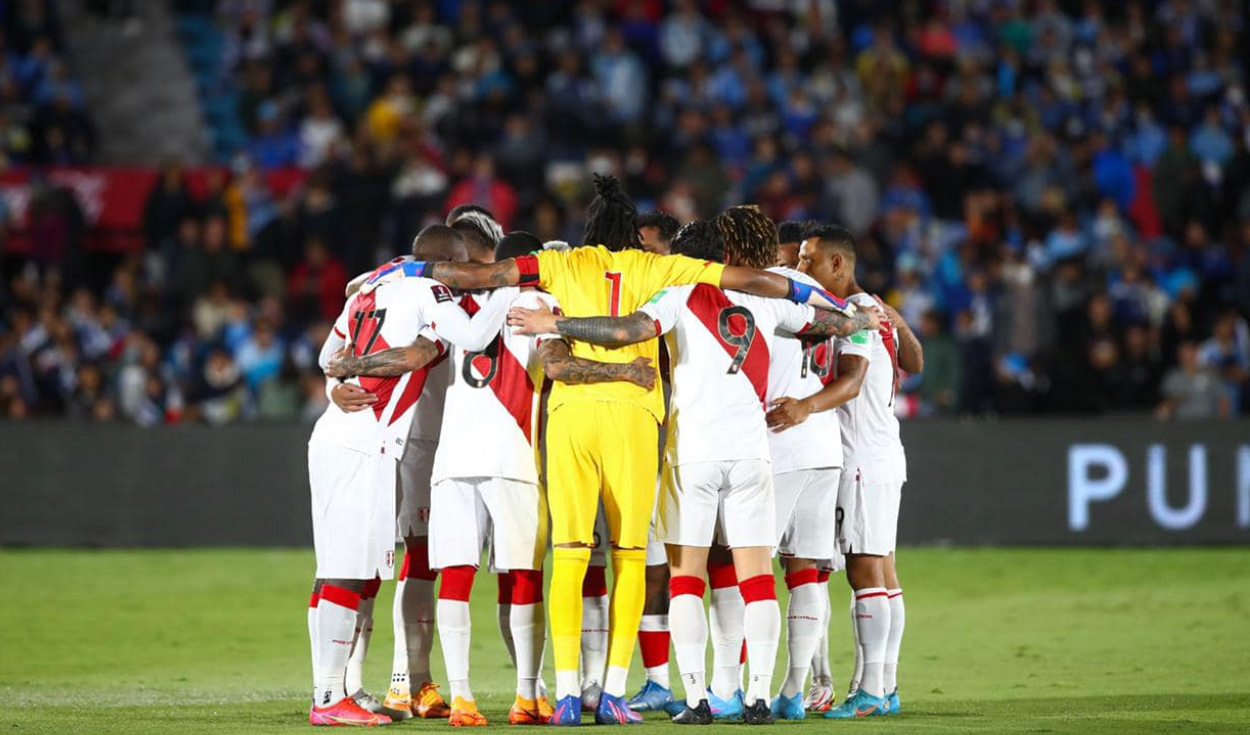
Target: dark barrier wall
1056	481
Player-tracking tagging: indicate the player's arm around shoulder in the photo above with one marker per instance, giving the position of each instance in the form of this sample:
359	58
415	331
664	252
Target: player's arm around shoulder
910	351
560	364
608	331
385	363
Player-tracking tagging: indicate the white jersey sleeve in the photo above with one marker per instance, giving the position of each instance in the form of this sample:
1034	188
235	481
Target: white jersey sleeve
666	307
870	431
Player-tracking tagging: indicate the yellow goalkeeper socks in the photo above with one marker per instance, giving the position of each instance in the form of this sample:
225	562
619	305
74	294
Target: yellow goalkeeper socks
629	590
568	567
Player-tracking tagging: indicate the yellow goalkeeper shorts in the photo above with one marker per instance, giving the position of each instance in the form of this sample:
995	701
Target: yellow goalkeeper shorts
603	448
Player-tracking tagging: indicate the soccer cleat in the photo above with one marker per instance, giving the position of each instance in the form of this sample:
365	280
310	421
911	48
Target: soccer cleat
819	696
726	709
861	704
345	713
701	715
526	712
651	698
893	702
590	698
545	710
758	713
464	714
568	711
398	700
789	708
430	704
614	711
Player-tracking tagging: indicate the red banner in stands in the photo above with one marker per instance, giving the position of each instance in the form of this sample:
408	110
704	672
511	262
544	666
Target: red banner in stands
111	200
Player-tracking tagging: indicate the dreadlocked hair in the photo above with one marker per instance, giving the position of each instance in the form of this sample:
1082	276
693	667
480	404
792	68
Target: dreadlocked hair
612	219
749	236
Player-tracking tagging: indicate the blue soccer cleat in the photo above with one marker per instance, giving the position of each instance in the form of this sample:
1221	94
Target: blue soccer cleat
789	708
893	700
860	704
651	698
726	709
613	710
568	711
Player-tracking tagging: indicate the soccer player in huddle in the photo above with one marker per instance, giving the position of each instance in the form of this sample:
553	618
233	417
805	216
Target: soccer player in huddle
613	463
875	470
352	458
493	496
717	455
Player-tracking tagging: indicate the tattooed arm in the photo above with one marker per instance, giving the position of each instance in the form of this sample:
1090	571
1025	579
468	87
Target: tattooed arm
559	364
476	275
609	331
834	324
385	363
910	351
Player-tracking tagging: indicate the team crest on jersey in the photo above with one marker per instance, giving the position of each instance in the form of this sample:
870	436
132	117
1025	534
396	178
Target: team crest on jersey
442	294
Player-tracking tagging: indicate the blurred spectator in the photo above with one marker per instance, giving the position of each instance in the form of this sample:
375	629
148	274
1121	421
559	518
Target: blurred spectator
316	287
1191	391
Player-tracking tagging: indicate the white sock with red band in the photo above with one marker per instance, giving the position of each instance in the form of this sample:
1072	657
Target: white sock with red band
360	640
727	612
688	627
595	615
857	671
312	636
872	619
527	624
336	619
804	615
762	628
455	627
898	618
653	643
413	619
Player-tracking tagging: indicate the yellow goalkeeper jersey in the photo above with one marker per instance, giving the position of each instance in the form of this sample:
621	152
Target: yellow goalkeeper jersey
594	281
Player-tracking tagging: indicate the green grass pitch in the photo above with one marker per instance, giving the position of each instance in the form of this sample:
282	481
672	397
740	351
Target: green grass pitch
998	641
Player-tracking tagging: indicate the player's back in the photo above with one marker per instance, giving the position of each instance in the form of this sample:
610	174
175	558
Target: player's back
870	430
720	345
392	315
594	281
490	418
798	369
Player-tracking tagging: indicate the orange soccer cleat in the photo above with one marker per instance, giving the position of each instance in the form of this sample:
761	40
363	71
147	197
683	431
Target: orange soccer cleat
545	710
345	713
428	703
526	712
464	714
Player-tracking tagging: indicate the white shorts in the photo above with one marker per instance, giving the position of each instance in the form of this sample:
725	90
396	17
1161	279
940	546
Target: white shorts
413	488
695	496
656	554
806	509
867	515
353	512
467	513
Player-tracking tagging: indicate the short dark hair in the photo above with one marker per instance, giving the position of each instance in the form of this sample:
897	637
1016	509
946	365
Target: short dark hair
611	218
793	230
749	235
834	236
665	222
699	239
461	210
517	243
438	242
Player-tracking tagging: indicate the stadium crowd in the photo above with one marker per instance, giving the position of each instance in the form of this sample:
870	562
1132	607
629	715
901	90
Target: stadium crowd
1056	194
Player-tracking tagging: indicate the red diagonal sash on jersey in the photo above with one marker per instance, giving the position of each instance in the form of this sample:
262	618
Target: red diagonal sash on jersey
887	340
364	331
508	379
416	384
707	302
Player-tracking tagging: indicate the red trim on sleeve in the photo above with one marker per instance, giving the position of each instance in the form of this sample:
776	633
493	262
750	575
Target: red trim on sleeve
527	265
340	333
721	575
686	585
758	588
341	597
457	583
802	577
658	329
527	586
595	583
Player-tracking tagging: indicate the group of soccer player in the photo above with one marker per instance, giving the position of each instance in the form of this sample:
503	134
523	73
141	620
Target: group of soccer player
496	393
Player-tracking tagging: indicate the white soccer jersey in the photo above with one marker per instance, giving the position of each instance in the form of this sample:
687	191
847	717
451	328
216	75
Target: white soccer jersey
393	315
491	419
797	370
870	436
720	344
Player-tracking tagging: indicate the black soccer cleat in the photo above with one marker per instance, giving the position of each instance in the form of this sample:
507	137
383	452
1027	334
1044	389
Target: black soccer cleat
701	715
758	714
